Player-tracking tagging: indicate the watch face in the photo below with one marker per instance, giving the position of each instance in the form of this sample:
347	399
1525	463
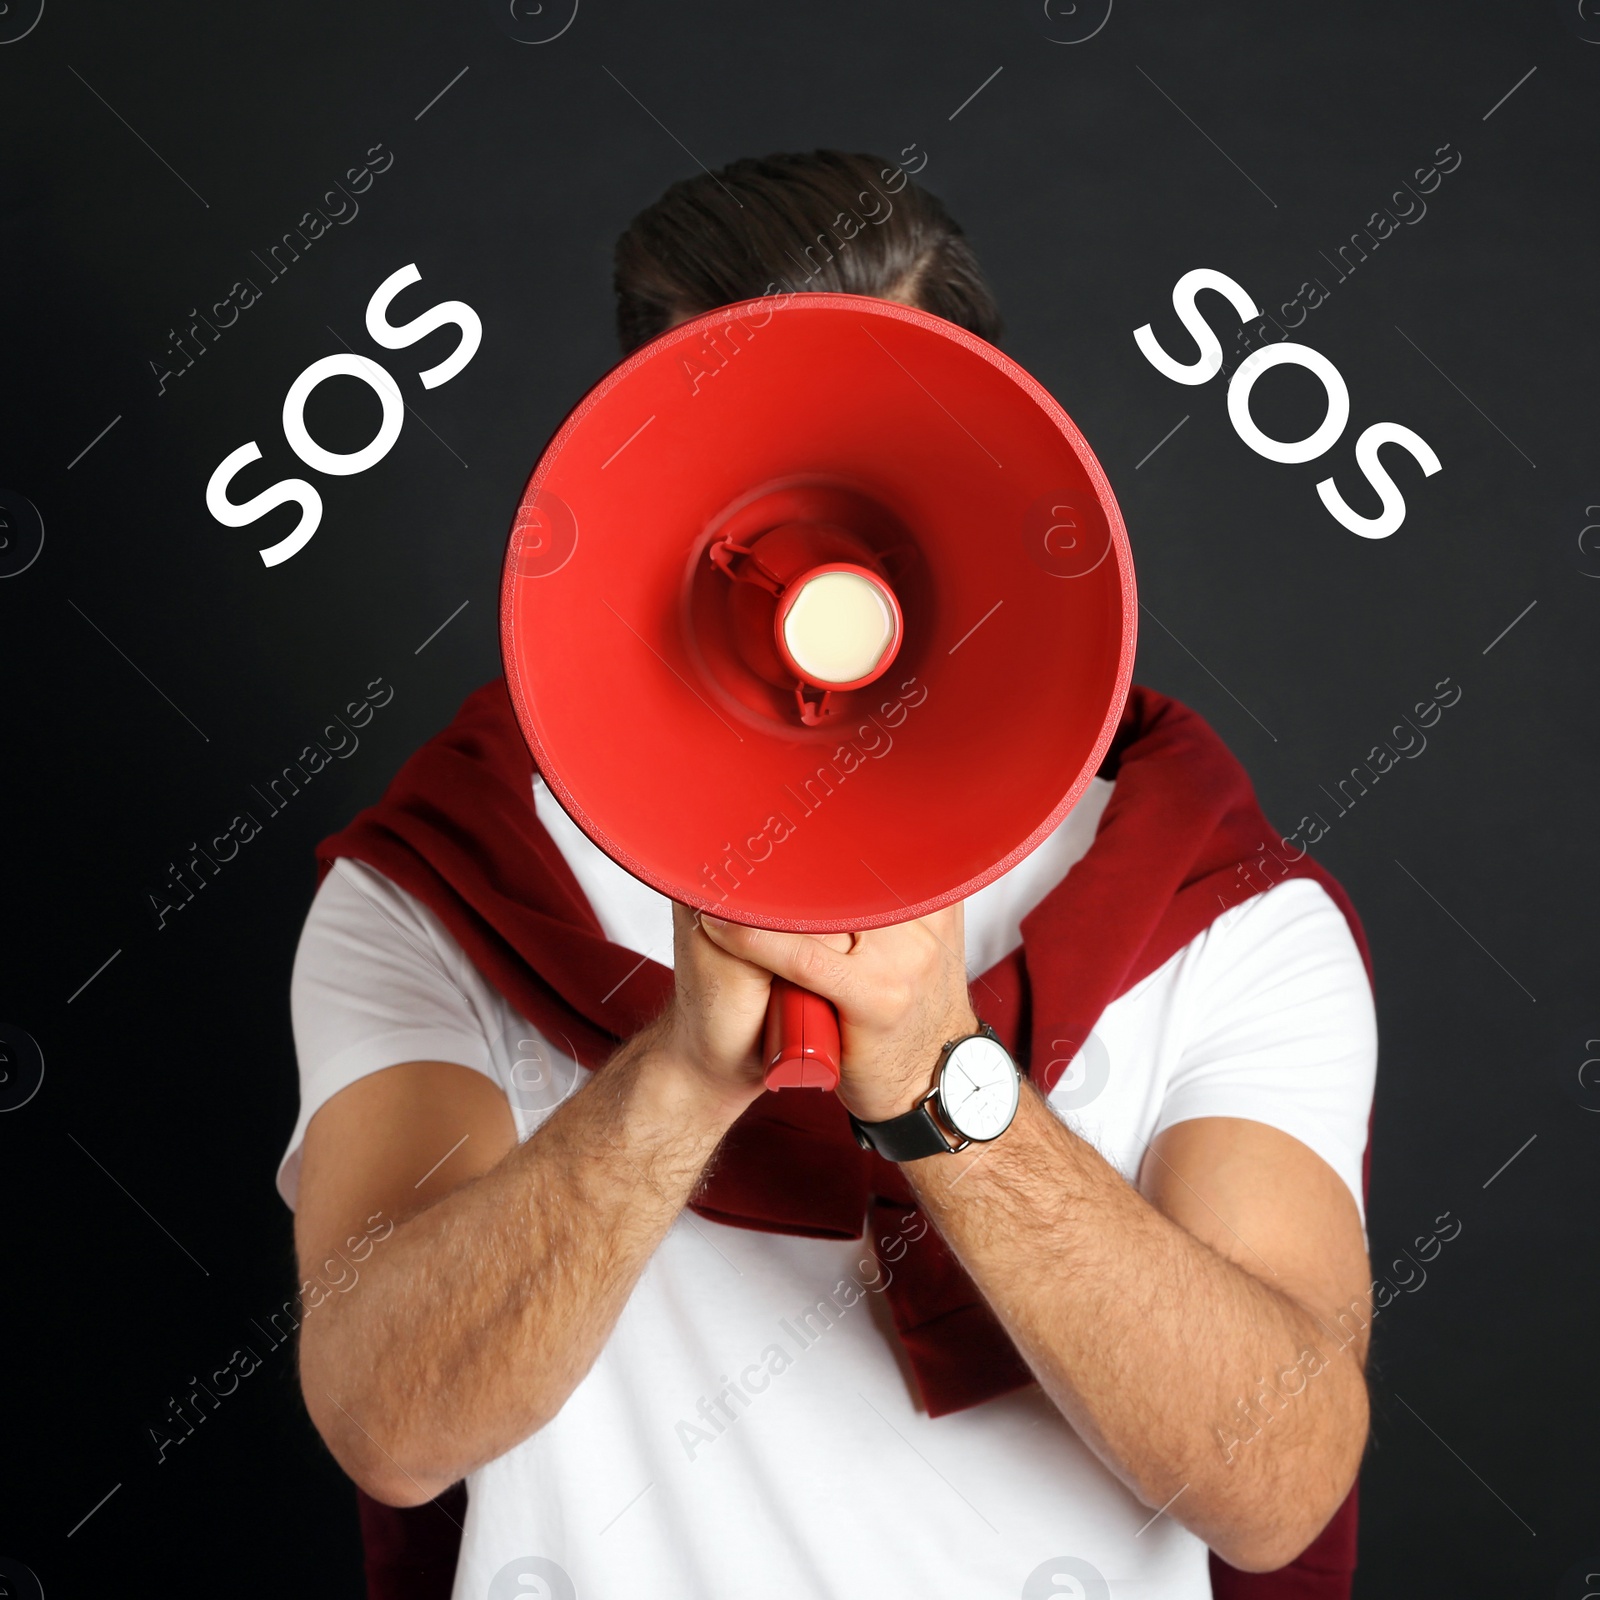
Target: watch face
978	1089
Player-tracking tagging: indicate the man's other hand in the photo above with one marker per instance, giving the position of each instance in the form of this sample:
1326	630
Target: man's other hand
901	994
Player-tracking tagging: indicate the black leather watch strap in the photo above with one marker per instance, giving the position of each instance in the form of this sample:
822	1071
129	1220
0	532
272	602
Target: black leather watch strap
908	1137
914	1133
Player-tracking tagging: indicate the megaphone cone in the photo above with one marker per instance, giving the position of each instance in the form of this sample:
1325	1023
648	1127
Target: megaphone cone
818	614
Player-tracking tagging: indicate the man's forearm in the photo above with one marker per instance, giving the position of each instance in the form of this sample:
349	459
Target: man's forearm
485	1310
1145	1338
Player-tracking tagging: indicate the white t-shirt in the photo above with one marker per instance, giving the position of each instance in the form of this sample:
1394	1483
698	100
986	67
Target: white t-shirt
751	1427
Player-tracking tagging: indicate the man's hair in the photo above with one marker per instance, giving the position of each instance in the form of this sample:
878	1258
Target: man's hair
822	222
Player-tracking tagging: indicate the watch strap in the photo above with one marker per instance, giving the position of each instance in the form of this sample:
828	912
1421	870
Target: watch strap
908	1137
914	1133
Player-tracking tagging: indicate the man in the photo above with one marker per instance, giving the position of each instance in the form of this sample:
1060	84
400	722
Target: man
661	1393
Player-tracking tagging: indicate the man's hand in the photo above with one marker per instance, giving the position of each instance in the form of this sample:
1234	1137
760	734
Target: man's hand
901	994
713	1026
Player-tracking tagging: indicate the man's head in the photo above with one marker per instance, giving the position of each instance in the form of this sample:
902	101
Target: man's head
821	222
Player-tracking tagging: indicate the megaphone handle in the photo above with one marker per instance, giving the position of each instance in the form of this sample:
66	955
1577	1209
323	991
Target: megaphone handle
801	1050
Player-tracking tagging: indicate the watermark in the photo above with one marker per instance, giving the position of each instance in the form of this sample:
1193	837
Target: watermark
1066	532
21	533
532	1577
197	866
872	741
1067	22
1581	1581
547	534
18	1582
1066	1577
1405	742
1588	544
21	1067
1086	1072
18	19
1244	1426
720	1410
337	207
1407	1269
1581	18
720	344
1587	1078
533	22
1405	208
539	1076
187	1409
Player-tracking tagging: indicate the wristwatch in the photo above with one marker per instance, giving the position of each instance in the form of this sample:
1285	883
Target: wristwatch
976	1087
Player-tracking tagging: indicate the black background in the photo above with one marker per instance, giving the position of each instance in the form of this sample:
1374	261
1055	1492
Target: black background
169	1084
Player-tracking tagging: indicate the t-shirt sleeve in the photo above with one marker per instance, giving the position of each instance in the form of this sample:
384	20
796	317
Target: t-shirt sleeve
375	984
1282	1028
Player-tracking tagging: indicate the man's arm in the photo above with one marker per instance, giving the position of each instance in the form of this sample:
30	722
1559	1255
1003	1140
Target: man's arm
1187	1333
1146	1317
472	1323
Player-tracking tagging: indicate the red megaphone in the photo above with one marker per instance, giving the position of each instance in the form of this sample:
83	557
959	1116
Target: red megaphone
818	614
